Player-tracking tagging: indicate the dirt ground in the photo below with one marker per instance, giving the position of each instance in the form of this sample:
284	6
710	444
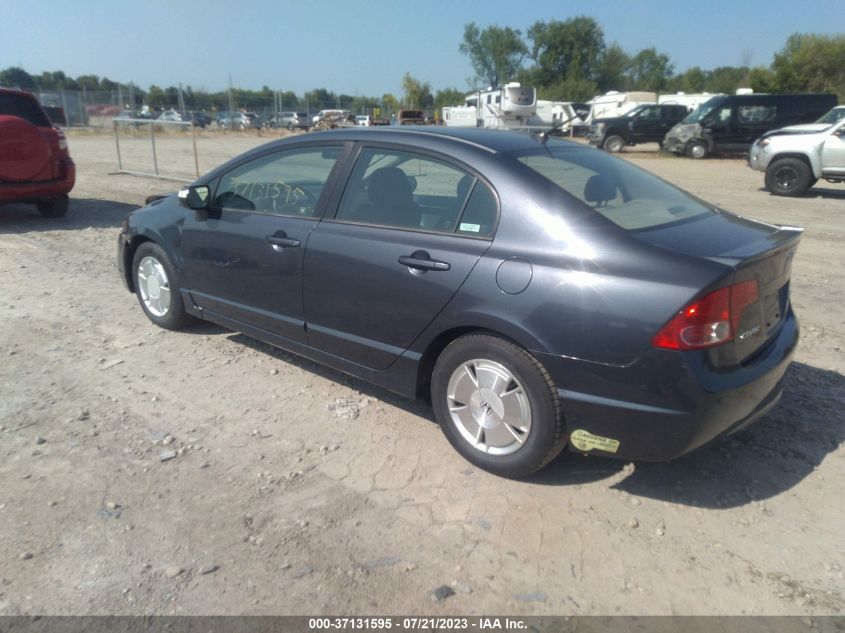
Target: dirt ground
297	490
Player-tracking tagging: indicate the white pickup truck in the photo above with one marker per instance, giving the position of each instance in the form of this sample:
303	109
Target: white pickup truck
795	158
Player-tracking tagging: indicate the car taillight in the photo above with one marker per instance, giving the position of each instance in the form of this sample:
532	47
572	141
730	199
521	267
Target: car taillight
709	321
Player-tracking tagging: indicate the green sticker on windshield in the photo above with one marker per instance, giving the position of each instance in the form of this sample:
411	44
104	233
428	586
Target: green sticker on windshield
471	228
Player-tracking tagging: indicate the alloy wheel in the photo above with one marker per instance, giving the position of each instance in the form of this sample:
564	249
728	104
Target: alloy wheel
154	286
489	407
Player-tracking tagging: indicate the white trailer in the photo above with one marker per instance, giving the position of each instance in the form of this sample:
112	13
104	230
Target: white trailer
566	115
615	104
690	100
508	107
460	116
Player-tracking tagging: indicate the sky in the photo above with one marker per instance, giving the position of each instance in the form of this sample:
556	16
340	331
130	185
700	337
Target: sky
363	47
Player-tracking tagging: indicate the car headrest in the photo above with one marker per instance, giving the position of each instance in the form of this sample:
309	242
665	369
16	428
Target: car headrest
389	186
599	189
463	187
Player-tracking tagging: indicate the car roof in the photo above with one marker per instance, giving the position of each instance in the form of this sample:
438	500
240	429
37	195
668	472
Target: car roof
494	141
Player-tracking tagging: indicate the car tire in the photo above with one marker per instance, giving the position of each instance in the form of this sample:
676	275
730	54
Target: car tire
788	177
486	378
697	150
152	275
54	207
613	144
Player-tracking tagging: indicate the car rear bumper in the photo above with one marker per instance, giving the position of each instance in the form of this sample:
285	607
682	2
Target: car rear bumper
33	191
667	403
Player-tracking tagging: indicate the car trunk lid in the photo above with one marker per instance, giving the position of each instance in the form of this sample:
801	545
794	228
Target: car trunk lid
750	251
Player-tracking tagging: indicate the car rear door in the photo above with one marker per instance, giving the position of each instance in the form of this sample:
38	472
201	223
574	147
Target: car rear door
242	259
408	230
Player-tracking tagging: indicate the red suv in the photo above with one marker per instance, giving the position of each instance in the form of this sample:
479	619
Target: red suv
35	165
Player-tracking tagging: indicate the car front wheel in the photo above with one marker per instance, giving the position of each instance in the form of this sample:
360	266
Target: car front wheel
696	149
155	284
497	405
788	177
613	143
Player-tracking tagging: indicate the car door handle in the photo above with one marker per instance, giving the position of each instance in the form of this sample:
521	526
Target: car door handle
423	264
282	241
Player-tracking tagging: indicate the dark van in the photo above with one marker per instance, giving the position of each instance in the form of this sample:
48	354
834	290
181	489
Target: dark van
731	123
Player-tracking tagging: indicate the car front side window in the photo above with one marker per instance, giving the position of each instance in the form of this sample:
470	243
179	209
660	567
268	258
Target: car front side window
285	183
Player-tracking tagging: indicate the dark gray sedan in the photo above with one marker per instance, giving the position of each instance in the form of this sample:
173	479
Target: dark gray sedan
541	293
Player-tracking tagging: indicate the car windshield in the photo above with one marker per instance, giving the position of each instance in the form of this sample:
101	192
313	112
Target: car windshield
703	110
628	196
833	116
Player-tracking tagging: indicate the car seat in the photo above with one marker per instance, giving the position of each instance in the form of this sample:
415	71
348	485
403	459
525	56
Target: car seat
391	199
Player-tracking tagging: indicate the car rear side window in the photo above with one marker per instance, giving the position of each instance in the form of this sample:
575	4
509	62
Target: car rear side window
626	195
407	190
24	108
286	183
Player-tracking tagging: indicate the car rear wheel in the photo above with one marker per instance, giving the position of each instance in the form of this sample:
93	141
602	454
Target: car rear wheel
156	285
697	150
613	143
788	177
497	405
54	207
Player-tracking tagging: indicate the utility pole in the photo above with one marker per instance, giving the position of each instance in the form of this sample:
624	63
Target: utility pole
231	105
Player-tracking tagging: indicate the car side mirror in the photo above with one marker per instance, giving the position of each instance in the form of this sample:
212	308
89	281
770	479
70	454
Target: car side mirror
708	123
195	198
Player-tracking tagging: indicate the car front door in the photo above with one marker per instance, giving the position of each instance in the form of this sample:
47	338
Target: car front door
408	230
833	152
242	259
646	126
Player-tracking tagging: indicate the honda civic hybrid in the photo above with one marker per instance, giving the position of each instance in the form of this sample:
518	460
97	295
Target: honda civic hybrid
541	294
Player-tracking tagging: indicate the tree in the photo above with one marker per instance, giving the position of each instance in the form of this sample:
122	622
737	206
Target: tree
496	53
650	70
448	97
16	78
611	70
692	80
417	93
156	98
566	50
320	98
762	80
389	103
811	63
569	90
726	79
88	82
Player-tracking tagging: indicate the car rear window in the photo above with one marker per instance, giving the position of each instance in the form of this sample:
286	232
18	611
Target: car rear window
628	196
23	107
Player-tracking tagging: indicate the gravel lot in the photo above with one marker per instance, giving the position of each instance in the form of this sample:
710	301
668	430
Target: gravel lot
153	472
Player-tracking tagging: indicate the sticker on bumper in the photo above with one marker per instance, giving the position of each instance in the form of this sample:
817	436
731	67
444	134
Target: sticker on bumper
586	441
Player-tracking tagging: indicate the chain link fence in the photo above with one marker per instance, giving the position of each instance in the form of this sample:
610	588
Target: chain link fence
97	108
